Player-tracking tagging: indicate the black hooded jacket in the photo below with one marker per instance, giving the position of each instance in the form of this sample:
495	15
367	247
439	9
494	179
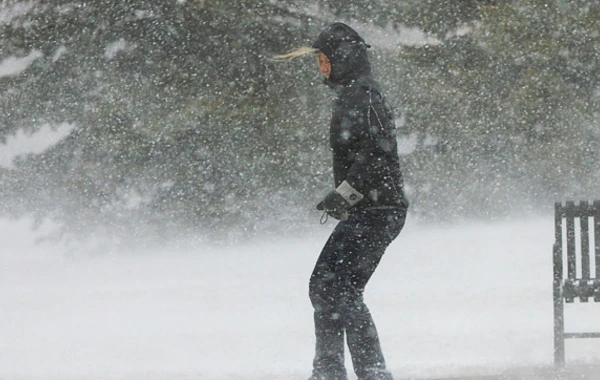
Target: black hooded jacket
362	130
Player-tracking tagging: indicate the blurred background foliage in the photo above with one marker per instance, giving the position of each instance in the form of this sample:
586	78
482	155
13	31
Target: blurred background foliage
181	126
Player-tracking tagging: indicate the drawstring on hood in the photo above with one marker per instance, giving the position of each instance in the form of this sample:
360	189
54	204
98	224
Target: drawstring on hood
347	52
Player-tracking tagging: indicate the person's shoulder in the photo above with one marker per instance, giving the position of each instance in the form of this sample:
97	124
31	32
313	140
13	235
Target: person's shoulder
374	91
362	93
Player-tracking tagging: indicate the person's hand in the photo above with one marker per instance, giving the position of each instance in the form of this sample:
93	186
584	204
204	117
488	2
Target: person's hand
335	205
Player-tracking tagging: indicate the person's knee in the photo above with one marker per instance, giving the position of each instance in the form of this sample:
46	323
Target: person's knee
339	303
327	298
352	304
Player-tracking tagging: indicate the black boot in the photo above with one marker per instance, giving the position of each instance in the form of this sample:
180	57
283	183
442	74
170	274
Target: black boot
363	342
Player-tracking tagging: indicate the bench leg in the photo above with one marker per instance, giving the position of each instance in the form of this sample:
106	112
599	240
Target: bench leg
559	329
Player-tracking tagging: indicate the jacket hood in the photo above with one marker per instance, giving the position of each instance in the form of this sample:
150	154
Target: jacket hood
347	52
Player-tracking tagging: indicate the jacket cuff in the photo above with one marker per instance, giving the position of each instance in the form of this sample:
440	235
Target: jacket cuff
350	194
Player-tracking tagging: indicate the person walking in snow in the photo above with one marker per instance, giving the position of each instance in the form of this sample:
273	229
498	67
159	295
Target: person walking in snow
368	200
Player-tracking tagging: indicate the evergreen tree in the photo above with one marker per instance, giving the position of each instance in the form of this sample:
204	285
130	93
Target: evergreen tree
503	107
173	104
181	123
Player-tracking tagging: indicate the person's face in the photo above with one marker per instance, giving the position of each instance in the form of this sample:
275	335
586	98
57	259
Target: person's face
324	65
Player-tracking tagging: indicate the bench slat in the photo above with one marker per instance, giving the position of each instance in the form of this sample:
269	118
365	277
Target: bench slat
585	243
558	247
597	242
578	210
582	335
571	259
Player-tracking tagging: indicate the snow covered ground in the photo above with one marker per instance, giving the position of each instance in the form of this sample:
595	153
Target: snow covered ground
461	300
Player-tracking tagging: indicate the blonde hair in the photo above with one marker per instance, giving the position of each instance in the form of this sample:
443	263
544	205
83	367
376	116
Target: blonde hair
299	52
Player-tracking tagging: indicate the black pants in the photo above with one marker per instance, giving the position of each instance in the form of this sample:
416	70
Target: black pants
337	283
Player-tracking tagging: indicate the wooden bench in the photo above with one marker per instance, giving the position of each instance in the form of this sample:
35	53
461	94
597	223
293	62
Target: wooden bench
582	280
